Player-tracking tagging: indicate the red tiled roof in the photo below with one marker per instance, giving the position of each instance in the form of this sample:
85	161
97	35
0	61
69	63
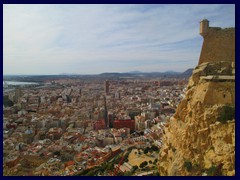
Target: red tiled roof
69	163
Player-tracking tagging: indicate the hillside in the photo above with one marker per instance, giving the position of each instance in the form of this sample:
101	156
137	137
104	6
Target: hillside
200	138
201	135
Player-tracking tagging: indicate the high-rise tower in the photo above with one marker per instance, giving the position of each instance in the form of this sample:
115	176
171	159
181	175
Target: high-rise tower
106	113
106	86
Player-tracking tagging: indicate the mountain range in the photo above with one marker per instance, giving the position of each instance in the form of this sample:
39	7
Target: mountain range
106	75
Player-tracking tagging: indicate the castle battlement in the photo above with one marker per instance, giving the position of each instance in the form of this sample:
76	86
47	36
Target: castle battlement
218	44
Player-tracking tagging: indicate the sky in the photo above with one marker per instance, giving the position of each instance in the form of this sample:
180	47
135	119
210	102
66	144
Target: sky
92	39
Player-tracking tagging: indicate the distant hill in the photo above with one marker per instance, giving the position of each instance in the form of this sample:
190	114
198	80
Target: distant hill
68	74
171	72
188	72
135	72
106	75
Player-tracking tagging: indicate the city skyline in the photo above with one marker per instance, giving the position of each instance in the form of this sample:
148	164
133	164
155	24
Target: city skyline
93	39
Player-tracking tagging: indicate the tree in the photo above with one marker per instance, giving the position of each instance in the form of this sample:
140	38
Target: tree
156	173
134	168
126	156
129	173
90	173
145	151
155	161
143	164
227	113
154	148
188	165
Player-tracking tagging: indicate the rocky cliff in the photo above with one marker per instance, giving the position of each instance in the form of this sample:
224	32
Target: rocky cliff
200	138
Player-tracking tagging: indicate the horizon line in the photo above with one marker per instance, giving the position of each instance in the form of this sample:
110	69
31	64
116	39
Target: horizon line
96	73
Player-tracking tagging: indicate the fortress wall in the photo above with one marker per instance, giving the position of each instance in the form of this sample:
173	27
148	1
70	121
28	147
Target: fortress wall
218	45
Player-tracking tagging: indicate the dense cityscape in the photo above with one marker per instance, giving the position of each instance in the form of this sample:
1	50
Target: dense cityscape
119	90
77	127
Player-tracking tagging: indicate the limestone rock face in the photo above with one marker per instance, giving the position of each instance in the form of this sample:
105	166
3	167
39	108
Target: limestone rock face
200	138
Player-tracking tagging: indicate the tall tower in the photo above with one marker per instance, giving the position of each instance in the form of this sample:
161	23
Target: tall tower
204	25
106	113
106	86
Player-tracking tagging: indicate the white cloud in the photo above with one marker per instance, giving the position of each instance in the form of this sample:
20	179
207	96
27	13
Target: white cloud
61	38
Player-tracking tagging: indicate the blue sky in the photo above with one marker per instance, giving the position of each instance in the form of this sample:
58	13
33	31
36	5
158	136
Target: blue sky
91	39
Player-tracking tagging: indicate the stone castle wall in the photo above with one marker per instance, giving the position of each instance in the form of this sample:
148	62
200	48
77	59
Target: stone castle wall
218	45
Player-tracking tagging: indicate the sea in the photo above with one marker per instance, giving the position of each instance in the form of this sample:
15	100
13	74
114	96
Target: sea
18	83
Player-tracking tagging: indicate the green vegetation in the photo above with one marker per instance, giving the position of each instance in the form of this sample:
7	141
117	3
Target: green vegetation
214	170
156	173
89	172
134	168
227	113
143	164
196	165
151	149
188	165
155	161
130	173
189	87
125	159
108	167
155	148
145	150
190	114
211	171
103	168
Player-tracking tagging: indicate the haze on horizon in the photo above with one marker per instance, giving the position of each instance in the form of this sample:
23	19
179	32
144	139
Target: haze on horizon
92	39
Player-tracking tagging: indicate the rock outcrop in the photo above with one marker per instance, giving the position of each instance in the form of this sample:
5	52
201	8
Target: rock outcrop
200	138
